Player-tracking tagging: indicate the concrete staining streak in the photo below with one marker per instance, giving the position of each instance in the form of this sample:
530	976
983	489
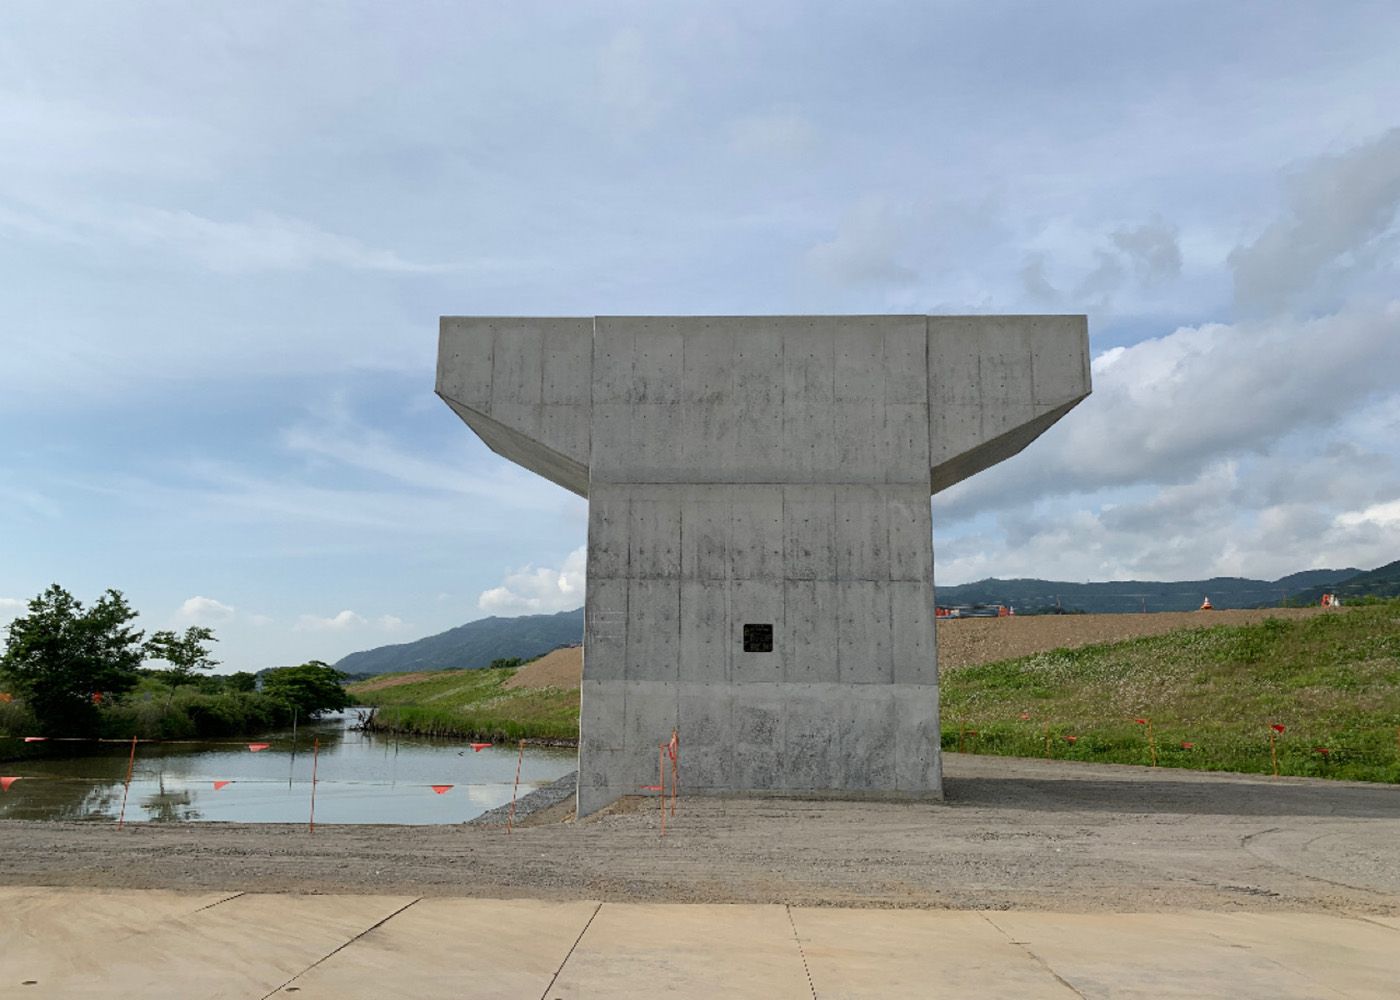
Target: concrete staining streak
769	471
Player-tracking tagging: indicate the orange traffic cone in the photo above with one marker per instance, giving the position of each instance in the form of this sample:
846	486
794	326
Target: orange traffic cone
1206	605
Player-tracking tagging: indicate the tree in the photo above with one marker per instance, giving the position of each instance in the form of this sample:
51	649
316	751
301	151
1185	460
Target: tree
185	653
311	688
59	655
241	680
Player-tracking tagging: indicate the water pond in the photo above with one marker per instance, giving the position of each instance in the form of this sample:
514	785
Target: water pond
360	778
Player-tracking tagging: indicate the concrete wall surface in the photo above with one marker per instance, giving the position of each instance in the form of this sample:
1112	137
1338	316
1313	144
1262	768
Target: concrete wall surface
771	472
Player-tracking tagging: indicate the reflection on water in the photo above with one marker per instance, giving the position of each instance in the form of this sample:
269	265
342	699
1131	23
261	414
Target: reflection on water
360	778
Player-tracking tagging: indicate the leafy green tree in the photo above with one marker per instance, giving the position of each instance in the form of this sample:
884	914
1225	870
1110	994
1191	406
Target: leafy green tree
241	680
312	688
60	655
185	653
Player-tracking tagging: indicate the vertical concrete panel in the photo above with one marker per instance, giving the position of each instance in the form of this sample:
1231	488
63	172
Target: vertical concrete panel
811	758
707	748
653	711
757	602
654	537
653	630
906	363
518	367
862	534
809	648
916	755
705	649
605	629
904	444
809	367
756	533
911	535
567	362
610	442
863	653
757	725
1059	359
869	739
601	714
465	351
657	362
860	366
912	633
609	516
857	437
809	533
612	362
704	535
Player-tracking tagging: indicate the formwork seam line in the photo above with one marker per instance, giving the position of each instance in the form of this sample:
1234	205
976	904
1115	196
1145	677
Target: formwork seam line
217	902
374	926
1033	956
800	952
554	978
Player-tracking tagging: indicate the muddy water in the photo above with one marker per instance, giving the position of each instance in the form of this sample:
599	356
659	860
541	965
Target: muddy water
360	778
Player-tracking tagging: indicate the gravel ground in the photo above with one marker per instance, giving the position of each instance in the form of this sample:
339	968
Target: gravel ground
1031	834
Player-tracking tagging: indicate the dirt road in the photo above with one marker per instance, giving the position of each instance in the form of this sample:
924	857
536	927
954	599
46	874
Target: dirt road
1012	833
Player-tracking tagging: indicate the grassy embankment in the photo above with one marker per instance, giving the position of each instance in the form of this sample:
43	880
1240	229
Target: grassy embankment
1333	682
472	704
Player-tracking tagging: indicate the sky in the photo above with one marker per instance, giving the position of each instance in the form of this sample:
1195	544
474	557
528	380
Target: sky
227	231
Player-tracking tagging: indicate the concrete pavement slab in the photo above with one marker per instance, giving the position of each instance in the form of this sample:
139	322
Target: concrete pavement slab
48	932
1356	956
697	951
918	954
487	949
244	948
1159	956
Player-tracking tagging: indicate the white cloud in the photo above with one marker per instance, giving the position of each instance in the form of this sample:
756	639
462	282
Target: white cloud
10	608
344	620
1165	408
865	250
391	623
1381	515
1338	225
204	610
539	590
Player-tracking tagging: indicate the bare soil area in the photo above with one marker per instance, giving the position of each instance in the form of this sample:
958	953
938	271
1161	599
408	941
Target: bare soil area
561	668
1012	833
967	642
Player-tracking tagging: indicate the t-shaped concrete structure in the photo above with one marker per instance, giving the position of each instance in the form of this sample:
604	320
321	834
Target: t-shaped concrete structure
760	553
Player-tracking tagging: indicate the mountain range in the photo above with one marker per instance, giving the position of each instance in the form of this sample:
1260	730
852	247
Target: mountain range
477	643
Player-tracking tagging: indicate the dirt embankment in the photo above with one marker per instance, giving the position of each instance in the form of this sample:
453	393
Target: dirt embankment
967	642
562	668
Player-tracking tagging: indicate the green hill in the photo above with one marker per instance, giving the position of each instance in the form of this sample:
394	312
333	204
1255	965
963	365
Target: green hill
1331	680
472	645
1118	596
471	704
1381	582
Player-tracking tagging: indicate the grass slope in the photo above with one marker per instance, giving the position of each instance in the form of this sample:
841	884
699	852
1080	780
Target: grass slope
1332	680
473	704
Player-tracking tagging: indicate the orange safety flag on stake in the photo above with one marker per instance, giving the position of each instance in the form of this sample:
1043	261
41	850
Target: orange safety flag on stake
1141	722
478	747
35	739
440	789
651	788
1071	739
1187	746
255	747
5	783
221	784
1276	727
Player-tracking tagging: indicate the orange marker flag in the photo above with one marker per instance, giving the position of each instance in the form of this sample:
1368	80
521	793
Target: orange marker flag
220	784
651	788
478	747
5	783
1141	722
1187	746
1276	727
1025	716
255	747
35	739
1322	750
440	789
1071	739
